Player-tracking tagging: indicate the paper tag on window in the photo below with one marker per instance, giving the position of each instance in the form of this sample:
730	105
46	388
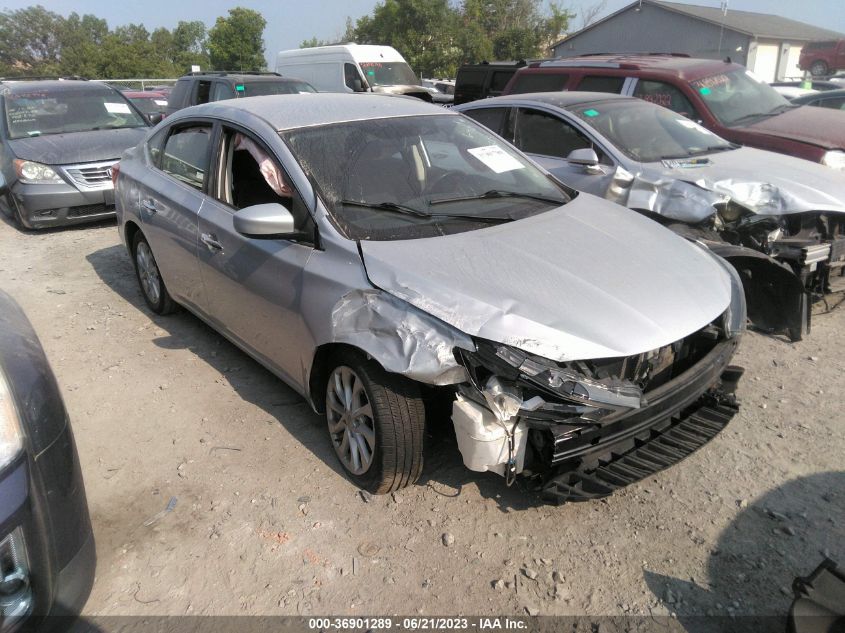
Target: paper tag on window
160	102
117	108
695	126
496	158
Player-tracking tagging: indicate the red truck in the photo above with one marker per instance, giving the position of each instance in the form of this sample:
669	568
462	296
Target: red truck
722	96
823	58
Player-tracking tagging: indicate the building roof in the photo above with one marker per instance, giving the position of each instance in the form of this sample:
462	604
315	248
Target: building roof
760	25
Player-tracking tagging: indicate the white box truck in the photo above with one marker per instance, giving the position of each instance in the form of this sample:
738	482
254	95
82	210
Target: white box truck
352	68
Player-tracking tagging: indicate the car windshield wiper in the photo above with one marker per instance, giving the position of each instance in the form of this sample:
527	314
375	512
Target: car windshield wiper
114	127
753	115
498	193
392	207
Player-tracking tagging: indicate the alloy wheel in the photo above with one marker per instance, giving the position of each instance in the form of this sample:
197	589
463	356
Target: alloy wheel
350	418
148	272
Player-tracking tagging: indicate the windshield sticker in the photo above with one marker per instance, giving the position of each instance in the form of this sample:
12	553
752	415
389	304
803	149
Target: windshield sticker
686	163
705	91
496	158
116	108
659	98
591	112
240	88
160	102
711	82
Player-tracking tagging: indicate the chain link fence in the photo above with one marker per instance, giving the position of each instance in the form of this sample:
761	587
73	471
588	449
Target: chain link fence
139	84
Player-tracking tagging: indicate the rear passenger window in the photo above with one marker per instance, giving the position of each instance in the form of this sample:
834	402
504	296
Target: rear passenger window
665	95
491	118
186	155
498	82
221	91
203	90
600	83
471	82
539	83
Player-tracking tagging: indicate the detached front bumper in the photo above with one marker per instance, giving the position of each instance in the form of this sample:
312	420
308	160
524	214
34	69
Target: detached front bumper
42	206
681	416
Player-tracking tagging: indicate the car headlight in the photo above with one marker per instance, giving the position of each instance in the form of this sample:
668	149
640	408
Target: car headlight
32	173
834	159
11	435
730	212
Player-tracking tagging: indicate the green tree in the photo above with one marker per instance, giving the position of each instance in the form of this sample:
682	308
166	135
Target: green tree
81	39
236	42
190	46
29	41
422	30
313	43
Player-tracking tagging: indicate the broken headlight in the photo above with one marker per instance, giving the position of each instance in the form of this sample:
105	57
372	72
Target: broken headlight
730	212
607	393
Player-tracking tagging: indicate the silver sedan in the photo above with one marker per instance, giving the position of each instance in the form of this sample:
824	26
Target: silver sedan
372	250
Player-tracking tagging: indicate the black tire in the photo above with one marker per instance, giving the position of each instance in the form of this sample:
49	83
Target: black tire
149	278
819	68
398	422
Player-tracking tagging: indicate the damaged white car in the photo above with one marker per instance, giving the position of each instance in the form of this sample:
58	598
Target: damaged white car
770	215
371	250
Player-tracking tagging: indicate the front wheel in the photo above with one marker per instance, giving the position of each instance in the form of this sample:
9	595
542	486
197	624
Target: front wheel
149	278
819	68
376	424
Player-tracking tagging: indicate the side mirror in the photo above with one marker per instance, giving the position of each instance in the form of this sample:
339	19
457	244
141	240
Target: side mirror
358	85
586	156
265	220
155	117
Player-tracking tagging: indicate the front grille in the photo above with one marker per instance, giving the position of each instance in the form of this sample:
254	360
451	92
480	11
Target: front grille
649	452
92	175
89	209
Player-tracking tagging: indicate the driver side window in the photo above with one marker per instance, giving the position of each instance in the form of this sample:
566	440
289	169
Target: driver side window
248	175
537	132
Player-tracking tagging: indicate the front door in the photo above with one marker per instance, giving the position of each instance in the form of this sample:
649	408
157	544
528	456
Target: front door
254	285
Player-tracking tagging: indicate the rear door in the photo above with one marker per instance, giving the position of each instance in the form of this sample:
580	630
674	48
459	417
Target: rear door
171	194
254	285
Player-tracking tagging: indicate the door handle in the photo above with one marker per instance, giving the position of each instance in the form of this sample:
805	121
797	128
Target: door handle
210	240
149	205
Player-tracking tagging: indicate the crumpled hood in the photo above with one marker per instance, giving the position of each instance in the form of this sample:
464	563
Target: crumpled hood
77	147
587	280
764	182
823	127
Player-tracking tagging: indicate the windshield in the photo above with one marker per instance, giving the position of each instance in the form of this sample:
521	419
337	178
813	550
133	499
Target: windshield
262	88
43	112
149	105
738	96
647	132
389	74
411	177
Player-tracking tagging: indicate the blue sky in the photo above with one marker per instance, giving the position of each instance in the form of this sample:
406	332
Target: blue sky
291	21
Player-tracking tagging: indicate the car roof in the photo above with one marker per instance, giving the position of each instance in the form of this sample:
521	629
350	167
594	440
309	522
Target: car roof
563	99
13	86
287	112
689	68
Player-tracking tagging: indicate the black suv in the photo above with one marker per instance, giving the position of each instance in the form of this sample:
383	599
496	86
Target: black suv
487	79
203	87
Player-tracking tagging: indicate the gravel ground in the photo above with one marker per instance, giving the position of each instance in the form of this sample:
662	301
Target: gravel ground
167	414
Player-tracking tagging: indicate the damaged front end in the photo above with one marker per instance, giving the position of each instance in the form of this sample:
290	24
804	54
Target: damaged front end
582	429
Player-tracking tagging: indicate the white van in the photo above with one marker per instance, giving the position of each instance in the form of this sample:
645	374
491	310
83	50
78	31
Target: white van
352	68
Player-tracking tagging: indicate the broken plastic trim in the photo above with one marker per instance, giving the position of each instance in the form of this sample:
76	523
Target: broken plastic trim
504	399
572	385
402	338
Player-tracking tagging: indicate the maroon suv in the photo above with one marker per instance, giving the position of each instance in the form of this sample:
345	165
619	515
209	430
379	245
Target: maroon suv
822	58
724	97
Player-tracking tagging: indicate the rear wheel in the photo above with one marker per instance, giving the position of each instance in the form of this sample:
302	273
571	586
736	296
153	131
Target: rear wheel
376	424
819	68
149	278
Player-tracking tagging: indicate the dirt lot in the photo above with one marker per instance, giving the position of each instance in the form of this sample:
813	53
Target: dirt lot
167	412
